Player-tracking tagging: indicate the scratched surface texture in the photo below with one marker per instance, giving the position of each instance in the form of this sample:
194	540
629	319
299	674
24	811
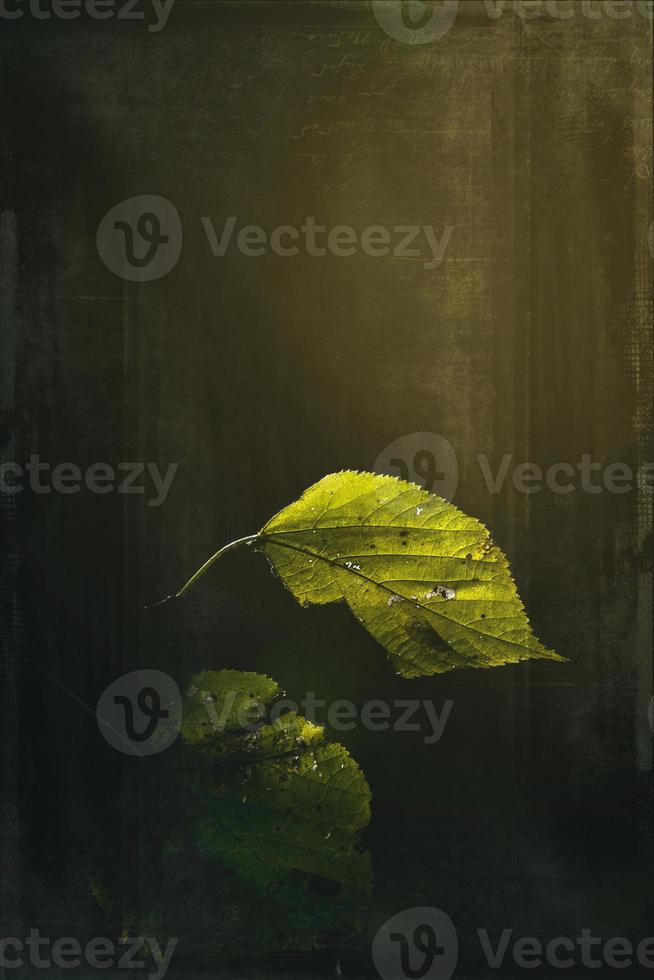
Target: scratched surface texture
531	141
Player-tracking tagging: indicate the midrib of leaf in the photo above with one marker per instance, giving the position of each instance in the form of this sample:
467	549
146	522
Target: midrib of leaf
376	527
404	554
414	602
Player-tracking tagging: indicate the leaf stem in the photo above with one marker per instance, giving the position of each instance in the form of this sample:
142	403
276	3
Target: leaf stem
249	540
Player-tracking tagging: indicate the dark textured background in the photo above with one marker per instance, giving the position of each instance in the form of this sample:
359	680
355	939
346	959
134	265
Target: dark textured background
259	376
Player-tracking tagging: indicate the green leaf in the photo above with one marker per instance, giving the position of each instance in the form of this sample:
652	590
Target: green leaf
268	854
222	702
424	578
280	795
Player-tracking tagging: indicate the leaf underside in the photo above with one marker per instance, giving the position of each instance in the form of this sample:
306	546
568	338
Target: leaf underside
425	579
